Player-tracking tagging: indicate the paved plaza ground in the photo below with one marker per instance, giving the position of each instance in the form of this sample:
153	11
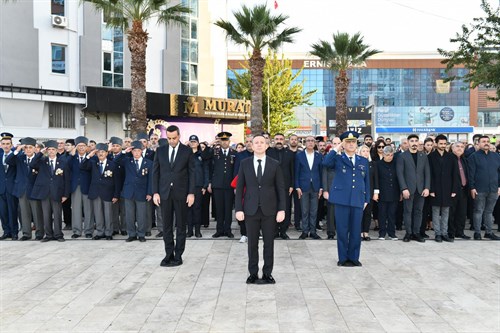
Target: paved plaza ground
96	286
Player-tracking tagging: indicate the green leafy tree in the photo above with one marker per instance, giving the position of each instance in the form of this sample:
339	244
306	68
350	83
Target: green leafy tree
343	54
285	93
478	51
257	29
130	15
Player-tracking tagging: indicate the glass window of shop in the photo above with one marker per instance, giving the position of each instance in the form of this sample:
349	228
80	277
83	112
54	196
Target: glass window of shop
189	50
112	56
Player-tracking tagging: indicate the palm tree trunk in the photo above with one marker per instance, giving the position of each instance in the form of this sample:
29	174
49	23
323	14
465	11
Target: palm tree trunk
341	88
137	43
257	72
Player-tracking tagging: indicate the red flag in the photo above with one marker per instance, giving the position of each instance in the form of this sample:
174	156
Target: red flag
275	4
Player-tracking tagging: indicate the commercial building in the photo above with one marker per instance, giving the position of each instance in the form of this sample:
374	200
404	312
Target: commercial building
392	95
60	65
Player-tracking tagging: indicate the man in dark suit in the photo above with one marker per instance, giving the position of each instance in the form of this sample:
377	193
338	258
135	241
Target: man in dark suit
173	188
8	201
286	159
115	154
414	177
308	186
31	210
260	200
458	209
149	154
220	182
136	191
104	190
52	187
350	193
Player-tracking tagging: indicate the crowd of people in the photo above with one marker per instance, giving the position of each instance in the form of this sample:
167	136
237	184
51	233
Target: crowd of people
99	190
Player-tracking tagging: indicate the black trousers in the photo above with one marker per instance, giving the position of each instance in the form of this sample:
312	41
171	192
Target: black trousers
367	218
66	207
205	209
297	211
458	213
194	212
169	208
330	219
255	223
426	215
224	199
283	226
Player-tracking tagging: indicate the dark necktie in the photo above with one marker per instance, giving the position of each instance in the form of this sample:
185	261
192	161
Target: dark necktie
81	159
352	160
101	168
28	161
259	172
172	157
52	170
463	180
5	166
137	166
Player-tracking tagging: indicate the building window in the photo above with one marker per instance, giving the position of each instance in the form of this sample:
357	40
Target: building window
189	51
57	7
112	56
58	59
61	115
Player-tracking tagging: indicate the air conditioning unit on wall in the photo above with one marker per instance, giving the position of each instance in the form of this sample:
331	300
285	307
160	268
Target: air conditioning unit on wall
59	21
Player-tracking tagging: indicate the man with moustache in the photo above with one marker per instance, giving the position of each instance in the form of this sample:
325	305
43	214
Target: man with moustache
414	179
116	154
458	209
293	146
286	161
484	180
260	200
8	201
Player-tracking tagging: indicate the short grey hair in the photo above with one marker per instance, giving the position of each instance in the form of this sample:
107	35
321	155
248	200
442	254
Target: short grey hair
388	150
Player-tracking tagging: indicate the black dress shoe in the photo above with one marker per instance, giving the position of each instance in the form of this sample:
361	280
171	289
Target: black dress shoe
24	238
419	239
174	263
341	263
366	238
46	239
345	263
115	233
463	236
166	261
15	237
75	236
38	238
406	238
303	236
189	234
477	236
268	279
142	239
413	237
148	234
217	235
130	239
284	236
159	235
491	236
89	236
252	279
197	234
331	237
60	239
356	263
376	228
448	239
123	233
109	237
230	235
314	236
424	235
4	236
438	239
97	237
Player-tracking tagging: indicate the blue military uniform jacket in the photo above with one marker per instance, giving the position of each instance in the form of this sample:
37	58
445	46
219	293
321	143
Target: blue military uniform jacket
56	185
137	184
351	185
79	176
7	178
106	185
25	175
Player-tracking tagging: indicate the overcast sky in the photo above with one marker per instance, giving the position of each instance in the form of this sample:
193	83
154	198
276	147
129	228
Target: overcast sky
388	25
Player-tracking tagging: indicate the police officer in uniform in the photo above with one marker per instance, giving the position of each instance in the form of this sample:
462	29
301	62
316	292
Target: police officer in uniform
220	183
350	192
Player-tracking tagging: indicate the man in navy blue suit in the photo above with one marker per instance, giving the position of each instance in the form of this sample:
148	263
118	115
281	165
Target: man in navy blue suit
308	186
8	202
31	210
104	190
137	190
350	192
52	187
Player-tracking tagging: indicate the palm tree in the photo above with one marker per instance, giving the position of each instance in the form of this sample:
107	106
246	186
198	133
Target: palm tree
257	29
345	53
130	15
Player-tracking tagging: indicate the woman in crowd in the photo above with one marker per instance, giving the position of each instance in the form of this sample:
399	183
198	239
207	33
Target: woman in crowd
367	212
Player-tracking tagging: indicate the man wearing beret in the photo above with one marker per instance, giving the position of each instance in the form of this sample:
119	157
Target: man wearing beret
115	154
149	154
69	147
350	192
104	190
52	187
8	201
80	184
31	210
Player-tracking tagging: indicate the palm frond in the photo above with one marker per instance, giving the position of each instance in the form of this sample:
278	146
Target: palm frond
175	15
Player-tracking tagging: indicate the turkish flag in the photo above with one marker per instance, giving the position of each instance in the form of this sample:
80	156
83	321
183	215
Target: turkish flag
275	4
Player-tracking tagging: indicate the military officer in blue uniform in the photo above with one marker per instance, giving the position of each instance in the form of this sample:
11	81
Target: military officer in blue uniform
8	201
350	192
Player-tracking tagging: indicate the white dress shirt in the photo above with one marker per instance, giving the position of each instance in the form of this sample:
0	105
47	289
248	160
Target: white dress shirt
256	164
310	159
